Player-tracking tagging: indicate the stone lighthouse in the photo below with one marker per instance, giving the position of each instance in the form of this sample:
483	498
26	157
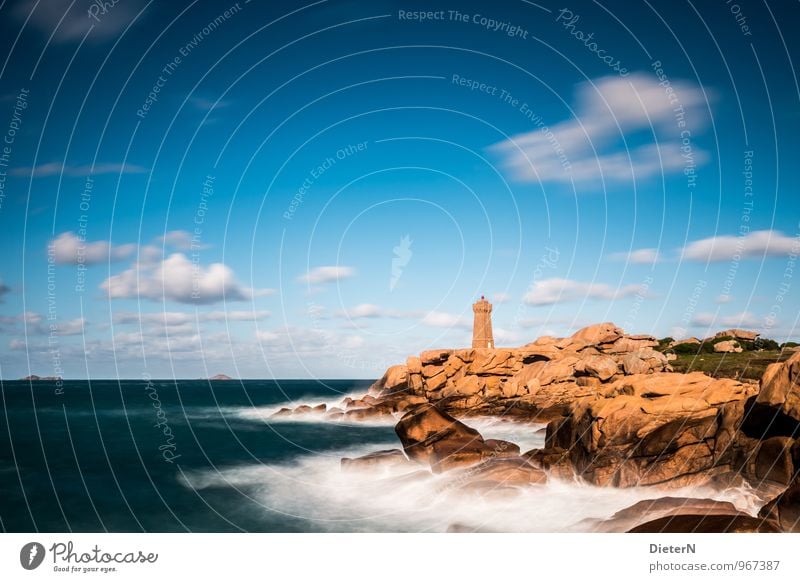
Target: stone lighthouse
482	326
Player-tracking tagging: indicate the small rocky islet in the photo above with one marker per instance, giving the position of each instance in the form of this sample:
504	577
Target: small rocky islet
617	416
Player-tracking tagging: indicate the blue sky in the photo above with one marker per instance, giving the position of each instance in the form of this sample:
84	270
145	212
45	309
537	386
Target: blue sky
319	189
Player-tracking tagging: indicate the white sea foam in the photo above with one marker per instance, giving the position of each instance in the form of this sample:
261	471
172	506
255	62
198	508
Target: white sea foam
316	489
266	413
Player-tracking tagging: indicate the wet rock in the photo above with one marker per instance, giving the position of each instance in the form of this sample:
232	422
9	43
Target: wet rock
707	524
434	437
784	510
516	471
500	448
649	510
387	459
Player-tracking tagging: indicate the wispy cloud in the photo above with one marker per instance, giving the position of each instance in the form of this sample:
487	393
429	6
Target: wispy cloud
755	244
305	341
207	104
364	310
639	256
181	240
501	298
59	168
174	318
36	325
444	319
320	275
69	21
593	145
743	319
556	290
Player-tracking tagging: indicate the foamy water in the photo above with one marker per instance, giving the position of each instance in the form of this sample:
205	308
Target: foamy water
313	487
266	413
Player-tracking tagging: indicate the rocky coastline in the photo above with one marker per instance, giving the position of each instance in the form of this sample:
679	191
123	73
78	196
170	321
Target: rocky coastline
616	415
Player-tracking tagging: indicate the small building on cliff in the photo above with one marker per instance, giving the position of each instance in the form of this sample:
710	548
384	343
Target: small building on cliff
482	324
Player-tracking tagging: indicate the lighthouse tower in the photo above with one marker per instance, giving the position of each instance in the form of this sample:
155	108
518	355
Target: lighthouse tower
482	326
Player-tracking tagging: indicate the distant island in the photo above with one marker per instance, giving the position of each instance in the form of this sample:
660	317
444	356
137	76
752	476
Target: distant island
220	377
35	378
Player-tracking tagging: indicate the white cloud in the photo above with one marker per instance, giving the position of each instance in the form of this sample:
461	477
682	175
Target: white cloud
70	21
556	290
364	310
236	315
59	168
501	298
755	244
71	327
320	275
181	240
68	249
506	336
176	278
722	299
307	341
168	346
639	256
443	319
207	104
36	325
172	318
743	319
31	317
17	345
592	145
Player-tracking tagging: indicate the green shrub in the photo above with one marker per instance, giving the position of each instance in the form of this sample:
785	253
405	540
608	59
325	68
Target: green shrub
663	343
766	344
686	348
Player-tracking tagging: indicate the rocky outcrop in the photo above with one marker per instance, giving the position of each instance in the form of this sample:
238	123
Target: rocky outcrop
739	334
689	340
435	438
617	416
780	387
728	347
679	429
538	380
775	419
653	429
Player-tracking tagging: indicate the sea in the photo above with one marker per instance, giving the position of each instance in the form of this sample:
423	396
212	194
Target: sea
203	456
